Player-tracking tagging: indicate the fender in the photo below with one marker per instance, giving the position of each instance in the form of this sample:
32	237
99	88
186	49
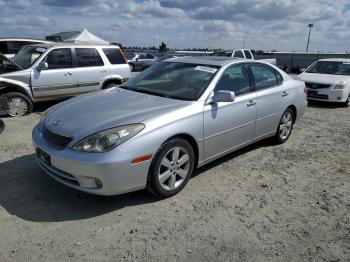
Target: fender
22	87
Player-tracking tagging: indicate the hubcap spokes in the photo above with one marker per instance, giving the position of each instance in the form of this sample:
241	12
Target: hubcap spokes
17	107
173	168
286	125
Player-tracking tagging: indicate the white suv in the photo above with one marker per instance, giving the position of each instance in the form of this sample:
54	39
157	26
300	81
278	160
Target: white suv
51	71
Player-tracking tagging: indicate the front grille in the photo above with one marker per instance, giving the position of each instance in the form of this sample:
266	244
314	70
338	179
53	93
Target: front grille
56	139
316	85
318	96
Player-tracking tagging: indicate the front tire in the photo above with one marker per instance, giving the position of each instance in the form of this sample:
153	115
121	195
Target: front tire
171	168
285	126
18	104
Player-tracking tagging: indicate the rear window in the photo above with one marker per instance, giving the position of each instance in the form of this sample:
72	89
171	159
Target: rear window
247	54
88	57
238	54
114	55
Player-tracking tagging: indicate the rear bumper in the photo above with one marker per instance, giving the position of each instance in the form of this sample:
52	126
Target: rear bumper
108	173
330	95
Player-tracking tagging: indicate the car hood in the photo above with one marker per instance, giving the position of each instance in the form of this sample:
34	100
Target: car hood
87	114
322	78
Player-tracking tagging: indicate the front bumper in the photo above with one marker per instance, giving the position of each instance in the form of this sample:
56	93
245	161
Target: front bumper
109	173
328	94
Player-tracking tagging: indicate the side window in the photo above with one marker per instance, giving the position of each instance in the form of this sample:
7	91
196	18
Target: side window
114	56
149	56
142	56
239	54
59	58
279	78
88	57
264	76
247	54
15	46
234	79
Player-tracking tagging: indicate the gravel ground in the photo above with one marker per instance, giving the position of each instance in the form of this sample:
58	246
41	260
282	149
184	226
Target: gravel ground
265	203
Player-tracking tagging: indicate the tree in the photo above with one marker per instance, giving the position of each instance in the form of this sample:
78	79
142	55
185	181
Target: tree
162	48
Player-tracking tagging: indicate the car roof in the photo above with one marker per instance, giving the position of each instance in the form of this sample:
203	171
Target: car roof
2	39
54	44
336	60
208	60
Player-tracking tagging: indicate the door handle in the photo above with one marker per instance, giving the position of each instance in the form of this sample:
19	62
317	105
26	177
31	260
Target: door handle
68	74
104	71
251	103
285	93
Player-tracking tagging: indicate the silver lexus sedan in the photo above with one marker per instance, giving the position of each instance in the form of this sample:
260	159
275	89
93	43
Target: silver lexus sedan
156	129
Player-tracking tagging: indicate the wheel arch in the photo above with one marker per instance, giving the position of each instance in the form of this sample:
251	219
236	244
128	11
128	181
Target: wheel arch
115	80
6	87
293	107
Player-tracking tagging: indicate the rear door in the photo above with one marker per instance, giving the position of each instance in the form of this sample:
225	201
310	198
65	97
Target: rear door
59	79
90	69
228	125
272	98
118	64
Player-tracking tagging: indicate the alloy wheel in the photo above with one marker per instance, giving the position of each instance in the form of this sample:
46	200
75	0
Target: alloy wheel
174	168
286	125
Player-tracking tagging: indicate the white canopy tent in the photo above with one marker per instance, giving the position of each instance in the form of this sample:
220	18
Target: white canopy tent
85	37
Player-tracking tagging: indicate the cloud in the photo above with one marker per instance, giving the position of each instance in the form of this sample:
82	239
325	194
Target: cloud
262	24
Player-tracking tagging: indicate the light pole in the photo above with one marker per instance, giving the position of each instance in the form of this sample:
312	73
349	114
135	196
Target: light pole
308	39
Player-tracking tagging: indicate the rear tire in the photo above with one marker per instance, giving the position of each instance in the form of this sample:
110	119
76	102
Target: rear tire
285	126
347	102
171	168
18	104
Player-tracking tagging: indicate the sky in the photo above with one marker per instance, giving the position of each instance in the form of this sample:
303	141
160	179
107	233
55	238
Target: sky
256	24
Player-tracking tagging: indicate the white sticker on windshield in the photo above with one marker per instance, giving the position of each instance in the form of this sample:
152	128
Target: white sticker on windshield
346	63
206	69
40	49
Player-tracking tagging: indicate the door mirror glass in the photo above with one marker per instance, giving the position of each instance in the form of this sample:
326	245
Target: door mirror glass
222	96
43	66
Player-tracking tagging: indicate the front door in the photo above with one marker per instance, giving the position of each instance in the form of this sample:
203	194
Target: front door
228	125
58	79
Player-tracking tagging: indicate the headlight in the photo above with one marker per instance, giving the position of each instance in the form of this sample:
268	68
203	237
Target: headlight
340	85
108	139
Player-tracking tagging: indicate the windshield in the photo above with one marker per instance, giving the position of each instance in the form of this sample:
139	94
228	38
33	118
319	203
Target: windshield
28	56
330	67
182	81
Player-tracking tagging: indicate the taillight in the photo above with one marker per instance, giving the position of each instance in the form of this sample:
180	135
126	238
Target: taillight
305	90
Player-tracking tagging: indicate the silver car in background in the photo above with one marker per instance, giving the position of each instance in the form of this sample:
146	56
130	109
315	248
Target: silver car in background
55	71
156	129
137	60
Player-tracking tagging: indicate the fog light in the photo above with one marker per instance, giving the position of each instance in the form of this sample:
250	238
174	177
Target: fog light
89	182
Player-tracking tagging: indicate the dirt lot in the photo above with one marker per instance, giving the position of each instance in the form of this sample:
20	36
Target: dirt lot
265	203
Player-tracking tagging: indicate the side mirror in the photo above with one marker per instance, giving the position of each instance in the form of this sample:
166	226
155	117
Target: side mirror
222	96
43	66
